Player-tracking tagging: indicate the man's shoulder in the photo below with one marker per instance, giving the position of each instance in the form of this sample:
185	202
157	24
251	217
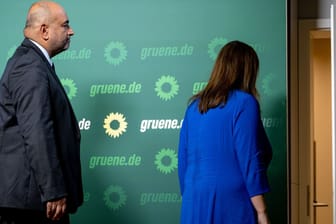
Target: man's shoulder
25	65
28	53
26	58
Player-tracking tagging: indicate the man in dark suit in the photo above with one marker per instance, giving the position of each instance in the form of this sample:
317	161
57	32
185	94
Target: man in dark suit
40	171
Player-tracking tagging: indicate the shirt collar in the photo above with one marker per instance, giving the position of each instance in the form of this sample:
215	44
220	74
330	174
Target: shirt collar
44	51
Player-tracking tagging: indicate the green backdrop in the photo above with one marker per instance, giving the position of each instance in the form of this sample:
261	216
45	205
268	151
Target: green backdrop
129	72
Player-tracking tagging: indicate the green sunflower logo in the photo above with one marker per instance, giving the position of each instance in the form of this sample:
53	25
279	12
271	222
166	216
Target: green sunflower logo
87	196
215	45
269	84
111	120
115	53
166	87
70	87
114	197
166	161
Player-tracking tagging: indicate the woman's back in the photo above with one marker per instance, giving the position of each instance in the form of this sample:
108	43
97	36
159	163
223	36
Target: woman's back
217	152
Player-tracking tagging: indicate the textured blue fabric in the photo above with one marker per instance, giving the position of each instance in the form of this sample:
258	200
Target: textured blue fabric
223	159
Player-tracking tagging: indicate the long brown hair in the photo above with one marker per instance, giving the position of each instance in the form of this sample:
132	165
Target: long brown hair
236	68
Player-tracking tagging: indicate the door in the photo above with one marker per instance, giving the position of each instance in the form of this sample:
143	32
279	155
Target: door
314	133
321	152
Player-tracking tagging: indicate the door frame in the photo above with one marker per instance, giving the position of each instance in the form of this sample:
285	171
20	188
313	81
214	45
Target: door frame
300	124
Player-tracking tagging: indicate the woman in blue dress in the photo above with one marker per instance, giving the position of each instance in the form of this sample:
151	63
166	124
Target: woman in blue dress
224	152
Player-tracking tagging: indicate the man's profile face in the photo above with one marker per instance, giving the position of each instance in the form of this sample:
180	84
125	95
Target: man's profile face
60	32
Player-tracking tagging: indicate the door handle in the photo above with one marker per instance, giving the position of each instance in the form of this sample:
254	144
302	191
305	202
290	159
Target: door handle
320	204
315	203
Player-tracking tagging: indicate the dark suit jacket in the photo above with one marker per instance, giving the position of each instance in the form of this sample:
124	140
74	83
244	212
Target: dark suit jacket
39	135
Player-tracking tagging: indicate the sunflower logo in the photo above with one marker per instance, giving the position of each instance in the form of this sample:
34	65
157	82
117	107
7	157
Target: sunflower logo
166	161
215	45
117	129
114	197
70	87
11	52
166	87
87	196
115	53
269	84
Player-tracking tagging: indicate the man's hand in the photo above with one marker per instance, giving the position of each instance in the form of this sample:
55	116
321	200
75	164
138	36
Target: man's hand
56	209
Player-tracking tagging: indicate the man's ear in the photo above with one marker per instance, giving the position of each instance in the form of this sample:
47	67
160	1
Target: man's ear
44	31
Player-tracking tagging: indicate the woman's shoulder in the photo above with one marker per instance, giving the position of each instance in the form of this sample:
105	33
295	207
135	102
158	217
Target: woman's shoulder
242	96
239	94
243	99
193	105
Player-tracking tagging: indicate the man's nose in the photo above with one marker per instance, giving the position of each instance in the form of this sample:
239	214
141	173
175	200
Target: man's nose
71	32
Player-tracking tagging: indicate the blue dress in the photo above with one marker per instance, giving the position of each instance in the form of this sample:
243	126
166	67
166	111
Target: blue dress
223	159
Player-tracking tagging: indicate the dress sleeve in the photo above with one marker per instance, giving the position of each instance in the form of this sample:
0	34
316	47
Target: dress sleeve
182	154
252	147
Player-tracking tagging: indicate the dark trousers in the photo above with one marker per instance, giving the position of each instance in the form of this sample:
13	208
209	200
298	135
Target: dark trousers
18	216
